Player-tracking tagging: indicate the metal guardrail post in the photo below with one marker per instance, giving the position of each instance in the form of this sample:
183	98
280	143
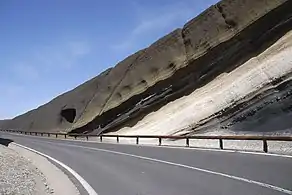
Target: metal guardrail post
187	142
265	146
264	139
221	144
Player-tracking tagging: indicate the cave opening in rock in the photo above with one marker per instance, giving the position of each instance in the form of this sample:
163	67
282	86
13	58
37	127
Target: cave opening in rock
69	114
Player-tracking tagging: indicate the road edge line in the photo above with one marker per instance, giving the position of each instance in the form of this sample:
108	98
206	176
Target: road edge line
265	185
80	179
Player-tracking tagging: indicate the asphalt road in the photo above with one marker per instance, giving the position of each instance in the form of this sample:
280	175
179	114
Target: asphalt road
136	170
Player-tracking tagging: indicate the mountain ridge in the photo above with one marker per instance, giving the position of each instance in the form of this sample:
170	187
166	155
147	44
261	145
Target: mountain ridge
166	70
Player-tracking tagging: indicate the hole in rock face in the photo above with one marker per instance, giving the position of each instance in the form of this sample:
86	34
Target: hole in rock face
69	114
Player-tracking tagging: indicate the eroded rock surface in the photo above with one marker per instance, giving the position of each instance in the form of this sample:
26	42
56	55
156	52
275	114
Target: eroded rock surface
217	42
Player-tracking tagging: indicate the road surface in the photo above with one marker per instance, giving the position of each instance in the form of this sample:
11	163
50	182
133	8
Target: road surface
140	170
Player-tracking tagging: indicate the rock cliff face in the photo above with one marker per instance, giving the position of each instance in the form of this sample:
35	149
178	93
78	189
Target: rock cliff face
217	42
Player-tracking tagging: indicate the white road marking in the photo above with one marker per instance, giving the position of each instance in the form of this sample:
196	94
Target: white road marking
269	186
82	181
186	166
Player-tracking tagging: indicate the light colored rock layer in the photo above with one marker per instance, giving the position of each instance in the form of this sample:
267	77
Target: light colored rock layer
226	89
145	68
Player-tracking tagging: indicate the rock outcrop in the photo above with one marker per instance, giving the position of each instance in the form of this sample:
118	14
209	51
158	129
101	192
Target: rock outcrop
218	41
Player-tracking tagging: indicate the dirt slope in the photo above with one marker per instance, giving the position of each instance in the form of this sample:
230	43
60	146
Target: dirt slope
218	41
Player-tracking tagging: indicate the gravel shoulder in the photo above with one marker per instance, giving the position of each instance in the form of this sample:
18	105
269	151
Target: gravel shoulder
19	176
26	173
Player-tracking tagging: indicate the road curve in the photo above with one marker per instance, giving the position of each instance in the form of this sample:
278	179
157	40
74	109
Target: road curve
136	170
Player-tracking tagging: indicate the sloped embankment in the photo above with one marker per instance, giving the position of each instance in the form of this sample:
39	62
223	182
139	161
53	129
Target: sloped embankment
213	45
254	97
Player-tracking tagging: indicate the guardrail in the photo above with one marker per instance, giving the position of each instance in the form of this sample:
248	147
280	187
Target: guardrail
220	139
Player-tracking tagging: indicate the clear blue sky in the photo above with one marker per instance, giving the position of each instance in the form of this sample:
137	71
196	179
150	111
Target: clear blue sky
49	47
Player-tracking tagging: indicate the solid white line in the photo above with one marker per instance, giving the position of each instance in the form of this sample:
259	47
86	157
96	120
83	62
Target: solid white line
82	181
276	188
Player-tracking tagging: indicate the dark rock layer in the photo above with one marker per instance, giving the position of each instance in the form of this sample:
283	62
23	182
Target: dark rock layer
224	58
266	111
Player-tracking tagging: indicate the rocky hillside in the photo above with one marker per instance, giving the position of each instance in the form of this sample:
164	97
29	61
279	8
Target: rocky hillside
227	68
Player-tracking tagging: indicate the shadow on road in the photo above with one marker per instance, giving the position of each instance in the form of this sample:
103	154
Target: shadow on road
5	142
